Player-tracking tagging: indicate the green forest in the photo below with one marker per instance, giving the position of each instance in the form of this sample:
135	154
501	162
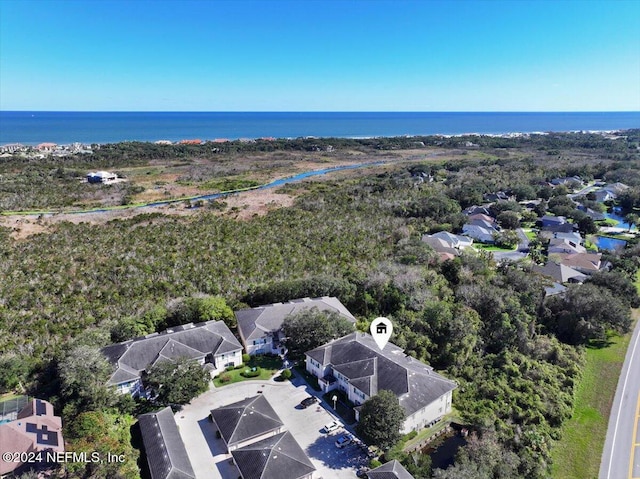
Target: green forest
516	357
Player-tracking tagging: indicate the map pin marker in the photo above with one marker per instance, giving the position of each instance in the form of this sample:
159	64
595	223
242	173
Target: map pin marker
381	329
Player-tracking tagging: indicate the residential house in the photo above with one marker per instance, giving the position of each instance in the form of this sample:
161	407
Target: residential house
47	147
261	328
12	148
103	177
593	214
587	263
166	454
389	470
554	289
356	365
275	457
35	429
573	236
604	195
246	421
483	217
479	233
475	209
559	228
498	196
489	225
559	273
548	220
454	241
567	181
440	246
210	344
560	245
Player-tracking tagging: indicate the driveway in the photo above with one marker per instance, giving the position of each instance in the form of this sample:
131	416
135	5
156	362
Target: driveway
520	253
208	454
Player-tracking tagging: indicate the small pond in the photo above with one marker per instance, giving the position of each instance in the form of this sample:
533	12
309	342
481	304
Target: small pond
611	244
615	215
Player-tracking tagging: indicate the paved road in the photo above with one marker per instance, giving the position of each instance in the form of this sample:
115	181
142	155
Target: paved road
621	454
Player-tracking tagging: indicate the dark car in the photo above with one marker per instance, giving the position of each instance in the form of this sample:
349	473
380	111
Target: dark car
308	402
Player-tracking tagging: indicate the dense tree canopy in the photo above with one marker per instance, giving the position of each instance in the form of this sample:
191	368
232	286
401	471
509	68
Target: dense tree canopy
174	383
381	418
311	328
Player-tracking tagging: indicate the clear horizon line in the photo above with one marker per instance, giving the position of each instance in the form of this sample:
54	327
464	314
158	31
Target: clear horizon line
319	111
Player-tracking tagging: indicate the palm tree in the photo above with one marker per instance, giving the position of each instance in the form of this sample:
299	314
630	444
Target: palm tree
631	219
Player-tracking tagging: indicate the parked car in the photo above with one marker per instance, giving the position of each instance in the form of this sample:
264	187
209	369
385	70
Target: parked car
311	400
332	426
344	440
362	471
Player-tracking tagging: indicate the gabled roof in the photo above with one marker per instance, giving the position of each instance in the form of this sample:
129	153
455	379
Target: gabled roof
190	341
559	228
560	272
390	470
166	454
590	262
453	240
358	358
36	428
246	419
254	323
555	220
439	245
277	457
564	245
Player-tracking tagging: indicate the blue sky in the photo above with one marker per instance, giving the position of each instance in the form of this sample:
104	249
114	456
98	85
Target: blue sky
313	55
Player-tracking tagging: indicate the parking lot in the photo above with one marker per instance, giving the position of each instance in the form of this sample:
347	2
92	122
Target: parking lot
208	454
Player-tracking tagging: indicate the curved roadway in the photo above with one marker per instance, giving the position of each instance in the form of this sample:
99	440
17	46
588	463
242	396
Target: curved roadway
621	454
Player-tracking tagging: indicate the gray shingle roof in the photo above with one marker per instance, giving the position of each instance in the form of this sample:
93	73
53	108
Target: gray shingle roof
277	457
358	358
131	358
166	454
246	419
255	322
390	470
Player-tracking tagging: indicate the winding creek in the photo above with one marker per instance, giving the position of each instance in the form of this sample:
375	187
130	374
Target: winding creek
211	196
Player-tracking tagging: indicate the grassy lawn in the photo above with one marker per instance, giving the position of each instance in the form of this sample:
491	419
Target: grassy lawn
453	416
530	234
268	367
579	452
492	247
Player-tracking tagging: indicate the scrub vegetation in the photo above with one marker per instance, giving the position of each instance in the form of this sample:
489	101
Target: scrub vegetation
516	357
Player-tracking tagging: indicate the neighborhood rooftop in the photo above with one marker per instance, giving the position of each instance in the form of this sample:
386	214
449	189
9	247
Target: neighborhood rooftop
358	358
246	419
254	322
390	470
166	454
186	341
276	457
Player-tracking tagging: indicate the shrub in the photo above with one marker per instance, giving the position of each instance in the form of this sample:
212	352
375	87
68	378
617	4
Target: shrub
251	374
229	368
411	435
246	358
239	366
374	463
286	374
225	378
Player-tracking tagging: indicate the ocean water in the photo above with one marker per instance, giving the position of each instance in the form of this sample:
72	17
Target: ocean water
31	128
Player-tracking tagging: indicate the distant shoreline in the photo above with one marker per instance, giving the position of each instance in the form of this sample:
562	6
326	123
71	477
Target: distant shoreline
32	127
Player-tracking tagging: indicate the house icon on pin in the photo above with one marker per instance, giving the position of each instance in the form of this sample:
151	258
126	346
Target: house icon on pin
381	328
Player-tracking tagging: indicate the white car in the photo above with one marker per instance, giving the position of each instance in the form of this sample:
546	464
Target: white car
332	426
